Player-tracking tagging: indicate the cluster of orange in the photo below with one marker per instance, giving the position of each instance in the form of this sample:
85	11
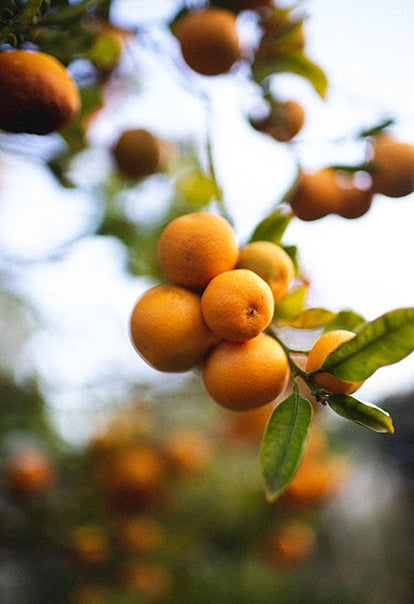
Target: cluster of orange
389	171
215	309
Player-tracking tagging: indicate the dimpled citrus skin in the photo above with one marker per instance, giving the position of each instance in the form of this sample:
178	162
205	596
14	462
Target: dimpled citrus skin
209	40
196	247
237	305
246	375
167	328
393	167
37	93
271	263
324	345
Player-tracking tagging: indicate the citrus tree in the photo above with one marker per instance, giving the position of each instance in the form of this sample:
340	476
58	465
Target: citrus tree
221	305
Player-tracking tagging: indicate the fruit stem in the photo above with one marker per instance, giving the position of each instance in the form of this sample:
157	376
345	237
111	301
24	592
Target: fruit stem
297	371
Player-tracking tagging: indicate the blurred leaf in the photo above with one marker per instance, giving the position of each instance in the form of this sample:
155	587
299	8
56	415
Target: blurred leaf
345	319
284	443
196	188
272	227
384	341
291	305
312	318
292	62
30	10
377	129
366	414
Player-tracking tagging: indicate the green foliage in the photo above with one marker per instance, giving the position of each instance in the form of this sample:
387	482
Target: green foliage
284	442
365	414
384	341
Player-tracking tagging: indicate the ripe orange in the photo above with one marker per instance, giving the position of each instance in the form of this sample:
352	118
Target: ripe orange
37	93
237	305
271	263
149	581
30	472
246	375
283	123
137	153
315	195
355	202
168	330
392	167
133	477
292	544
188	450
209	40
89	545
140	534
196	247
324	345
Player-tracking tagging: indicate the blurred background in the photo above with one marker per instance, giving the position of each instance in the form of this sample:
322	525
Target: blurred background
120	484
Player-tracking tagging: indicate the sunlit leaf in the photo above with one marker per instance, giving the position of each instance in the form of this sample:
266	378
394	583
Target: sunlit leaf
366	414
292	62
272	227
312	318
345	319
291	305
196	188
384	341
284	443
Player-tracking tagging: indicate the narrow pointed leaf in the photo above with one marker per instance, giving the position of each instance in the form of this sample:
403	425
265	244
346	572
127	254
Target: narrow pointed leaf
284	443
272	227
384	341
366	414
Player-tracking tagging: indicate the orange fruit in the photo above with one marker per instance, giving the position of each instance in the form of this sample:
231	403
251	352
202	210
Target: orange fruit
246	375
292	544
355	201
140	534
30	472
196	247
315	195
188	450
37	93
324	345
237	305
168	330
137	153
133	478
283	123
89	545
209	40
392	167
248	427
271	263
149	581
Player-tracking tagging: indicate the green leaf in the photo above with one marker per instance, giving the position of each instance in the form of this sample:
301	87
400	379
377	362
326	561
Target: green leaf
345	319
272	227
284	443
30	10
292	62
366	414
196	188
377	129
384	341
311	318
291	305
